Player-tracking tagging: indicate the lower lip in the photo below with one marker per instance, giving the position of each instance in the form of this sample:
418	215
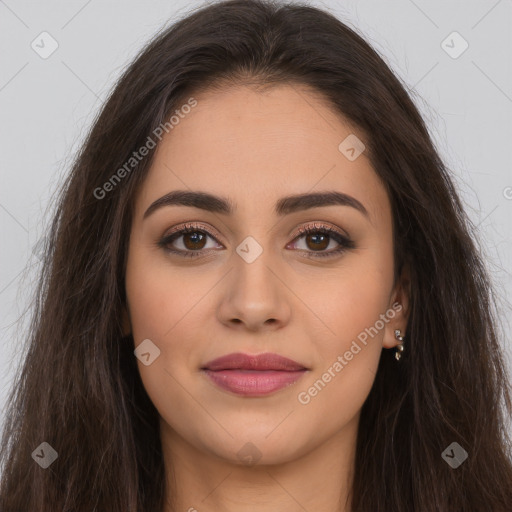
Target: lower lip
253	383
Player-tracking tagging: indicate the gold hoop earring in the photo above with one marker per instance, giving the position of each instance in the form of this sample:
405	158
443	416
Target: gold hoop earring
399	347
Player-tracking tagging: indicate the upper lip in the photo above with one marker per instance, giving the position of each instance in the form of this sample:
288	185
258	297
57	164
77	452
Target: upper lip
240	361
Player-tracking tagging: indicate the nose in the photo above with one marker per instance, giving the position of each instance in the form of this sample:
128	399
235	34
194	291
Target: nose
255	296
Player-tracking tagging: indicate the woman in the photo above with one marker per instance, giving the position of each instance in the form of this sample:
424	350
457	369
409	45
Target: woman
261	292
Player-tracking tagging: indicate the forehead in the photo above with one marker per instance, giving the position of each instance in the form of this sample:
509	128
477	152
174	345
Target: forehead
258	145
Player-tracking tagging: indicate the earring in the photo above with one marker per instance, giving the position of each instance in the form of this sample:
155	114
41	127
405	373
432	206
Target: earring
400	347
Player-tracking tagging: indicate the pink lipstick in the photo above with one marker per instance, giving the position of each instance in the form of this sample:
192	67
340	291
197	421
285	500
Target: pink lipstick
249	375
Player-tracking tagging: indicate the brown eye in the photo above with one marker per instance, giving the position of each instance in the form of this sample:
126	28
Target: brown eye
317	238
194	240
317	242
189	241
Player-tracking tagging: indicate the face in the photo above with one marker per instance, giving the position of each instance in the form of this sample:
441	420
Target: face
243	278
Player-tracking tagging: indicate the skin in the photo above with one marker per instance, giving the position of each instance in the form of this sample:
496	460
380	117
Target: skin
254	147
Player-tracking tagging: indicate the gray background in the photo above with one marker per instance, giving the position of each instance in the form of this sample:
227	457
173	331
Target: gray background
47	105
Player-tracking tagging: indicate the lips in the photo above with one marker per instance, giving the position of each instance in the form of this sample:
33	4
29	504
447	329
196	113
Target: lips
258	375
262	362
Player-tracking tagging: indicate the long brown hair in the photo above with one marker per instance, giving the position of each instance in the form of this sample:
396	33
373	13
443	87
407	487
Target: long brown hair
79	389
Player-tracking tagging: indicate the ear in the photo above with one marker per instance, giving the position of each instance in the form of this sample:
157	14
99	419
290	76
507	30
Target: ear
399	304
126	323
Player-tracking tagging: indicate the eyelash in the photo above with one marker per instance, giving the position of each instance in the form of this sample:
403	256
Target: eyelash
343	241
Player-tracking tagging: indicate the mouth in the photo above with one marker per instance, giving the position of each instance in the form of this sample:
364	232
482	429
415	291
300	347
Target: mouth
248	375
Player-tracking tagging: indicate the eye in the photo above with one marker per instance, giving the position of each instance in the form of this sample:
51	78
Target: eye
189	241
192	241
319	237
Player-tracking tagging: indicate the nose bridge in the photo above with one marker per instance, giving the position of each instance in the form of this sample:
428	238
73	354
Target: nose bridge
256	295
253	262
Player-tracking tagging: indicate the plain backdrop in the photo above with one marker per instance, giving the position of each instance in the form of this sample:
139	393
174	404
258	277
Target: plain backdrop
47	106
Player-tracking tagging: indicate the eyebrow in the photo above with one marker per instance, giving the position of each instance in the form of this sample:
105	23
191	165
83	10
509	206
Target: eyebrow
283	206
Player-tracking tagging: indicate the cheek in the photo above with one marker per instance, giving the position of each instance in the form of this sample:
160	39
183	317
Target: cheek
351	300
349	351
161	308
159	297
167	305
